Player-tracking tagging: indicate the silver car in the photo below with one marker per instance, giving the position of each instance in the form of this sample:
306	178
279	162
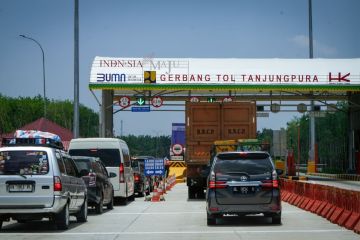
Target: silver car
40	181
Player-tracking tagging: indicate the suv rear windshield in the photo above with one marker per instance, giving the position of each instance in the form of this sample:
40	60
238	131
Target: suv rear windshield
250	164
83	164
110	157
24	162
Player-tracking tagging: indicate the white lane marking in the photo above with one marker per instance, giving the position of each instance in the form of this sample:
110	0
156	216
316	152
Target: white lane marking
179	213
182	232
156	213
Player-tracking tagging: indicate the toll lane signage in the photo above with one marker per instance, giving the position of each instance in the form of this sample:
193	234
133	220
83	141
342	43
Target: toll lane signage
124	102
182	73
154	167
157	102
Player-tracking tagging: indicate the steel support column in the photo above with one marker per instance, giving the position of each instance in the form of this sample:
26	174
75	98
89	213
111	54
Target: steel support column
107	114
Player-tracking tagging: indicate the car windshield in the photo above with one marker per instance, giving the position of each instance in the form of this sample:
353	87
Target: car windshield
24	162
82	164
110	157
138	165
134	164
243	164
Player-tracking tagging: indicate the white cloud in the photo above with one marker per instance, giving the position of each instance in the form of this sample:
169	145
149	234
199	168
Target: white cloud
301	41
321	49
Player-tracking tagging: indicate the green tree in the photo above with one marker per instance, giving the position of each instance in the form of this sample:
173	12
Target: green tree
16	112
331	138
157	146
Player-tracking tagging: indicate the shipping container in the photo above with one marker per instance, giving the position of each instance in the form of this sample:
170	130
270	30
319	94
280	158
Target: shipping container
207	123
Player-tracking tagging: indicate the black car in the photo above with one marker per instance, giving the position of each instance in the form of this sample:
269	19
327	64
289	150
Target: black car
143	183
100	190
243	183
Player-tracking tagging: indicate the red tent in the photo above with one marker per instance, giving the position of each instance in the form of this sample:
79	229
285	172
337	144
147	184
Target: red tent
45	125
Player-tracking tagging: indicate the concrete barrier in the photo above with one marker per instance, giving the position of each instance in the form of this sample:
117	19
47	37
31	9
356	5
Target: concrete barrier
340	206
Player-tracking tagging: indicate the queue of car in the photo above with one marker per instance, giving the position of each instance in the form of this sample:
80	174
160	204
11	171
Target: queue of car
38	179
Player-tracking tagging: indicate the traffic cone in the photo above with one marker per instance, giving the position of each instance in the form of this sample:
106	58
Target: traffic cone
155	196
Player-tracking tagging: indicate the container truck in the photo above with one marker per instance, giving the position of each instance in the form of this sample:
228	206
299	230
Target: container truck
206	123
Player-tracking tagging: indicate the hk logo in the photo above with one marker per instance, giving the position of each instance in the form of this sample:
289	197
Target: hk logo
339	78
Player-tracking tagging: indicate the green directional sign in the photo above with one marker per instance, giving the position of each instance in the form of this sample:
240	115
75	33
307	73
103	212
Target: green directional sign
140	101
211	99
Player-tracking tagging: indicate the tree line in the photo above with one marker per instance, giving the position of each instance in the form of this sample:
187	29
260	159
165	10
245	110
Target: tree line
16	112
146	145
331	132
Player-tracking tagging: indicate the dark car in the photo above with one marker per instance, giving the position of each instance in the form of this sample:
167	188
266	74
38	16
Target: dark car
142	186
243	183
100	190
143	183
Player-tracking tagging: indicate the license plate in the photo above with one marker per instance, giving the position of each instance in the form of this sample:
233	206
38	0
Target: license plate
20	188
243	190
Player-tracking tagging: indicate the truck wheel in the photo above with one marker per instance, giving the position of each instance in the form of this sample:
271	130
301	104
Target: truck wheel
191	193
82	215
200	194
62	219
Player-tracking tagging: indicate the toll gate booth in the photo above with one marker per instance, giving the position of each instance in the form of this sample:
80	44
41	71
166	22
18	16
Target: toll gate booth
146	84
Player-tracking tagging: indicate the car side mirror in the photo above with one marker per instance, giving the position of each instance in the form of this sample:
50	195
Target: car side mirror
112	175
84	172
279	171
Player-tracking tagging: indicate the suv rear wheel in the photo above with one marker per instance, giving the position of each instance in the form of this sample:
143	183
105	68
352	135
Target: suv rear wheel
99	206
82	215
211	219
111	203
62	219
276	218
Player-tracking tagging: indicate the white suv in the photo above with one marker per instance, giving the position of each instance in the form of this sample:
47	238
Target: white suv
40	181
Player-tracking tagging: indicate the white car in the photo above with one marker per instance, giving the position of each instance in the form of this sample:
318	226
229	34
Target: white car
115	155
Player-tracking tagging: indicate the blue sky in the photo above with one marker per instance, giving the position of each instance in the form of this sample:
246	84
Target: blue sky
196	29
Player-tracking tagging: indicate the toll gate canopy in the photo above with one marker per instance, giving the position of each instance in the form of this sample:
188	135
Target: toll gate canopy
154	82
240	79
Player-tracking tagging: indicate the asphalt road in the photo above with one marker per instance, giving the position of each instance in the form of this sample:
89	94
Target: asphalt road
177	218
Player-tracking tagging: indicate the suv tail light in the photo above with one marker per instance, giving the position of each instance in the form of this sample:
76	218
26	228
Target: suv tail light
275	180
213	184
136	177
57	184
274	183
217	184
121	173
92	179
